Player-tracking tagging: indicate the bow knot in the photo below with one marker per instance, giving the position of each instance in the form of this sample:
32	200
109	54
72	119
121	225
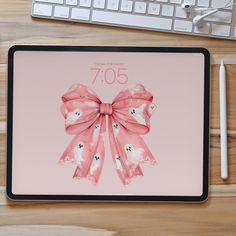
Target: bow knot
105	108
128	118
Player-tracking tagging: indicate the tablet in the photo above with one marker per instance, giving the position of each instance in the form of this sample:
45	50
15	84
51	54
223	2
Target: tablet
108	123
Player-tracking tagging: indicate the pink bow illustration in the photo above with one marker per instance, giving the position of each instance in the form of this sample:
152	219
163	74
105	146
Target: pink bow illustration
128	118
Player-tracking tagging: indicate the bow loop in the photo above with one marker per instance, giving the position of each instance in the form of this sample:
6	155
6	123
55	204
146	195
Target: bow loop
80	108
133	108
136	92
80	92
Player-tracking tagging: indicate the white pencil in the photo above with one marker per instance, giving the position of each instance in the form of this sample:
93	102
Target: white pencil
223	121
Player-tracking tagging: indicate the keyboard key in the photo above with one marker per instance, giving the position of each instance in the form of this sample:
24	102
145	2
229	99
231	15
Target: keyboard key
180	12
203	3
154	8
126	6
132	20
205	29
221	3
51	1
161	0
85	3
42	9
220	16
112	4
193	2
220	30
61	12
167	10
140	7
183	25
176	1
80	14
71	2
99	4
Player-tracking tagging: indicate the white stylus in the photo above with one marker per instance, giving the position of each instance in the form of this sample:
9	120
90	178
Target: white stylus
223	121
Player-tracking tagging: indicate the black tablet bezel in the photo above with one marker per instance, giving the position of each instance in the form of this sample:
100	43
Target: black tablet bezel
108	198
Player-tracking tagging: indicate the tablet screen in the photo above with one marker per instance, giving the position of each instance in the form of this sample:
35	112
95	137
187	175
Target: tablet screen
108	123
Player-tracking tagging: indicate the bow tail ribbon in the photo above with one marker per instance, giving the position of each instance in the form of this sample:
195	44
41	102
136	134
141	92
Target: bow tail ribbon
118	155
128	151
87	151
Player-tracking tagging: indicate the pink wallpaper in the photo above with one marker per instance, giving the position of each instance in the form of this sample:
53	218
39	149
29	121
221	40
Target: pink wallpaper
175	138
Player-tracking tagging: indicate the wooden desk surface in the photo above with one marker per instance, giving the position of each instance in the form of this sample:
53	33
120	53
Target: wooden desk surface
215	217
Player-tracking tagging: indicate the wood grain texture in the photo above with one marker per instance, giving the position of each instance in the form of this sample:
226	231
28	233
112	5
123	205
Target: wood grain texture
215	217
231	97
52	230
2	159
3	92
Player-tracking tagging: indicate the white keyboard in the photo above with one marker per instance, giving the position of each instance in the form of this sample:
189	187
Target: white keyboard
157	15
